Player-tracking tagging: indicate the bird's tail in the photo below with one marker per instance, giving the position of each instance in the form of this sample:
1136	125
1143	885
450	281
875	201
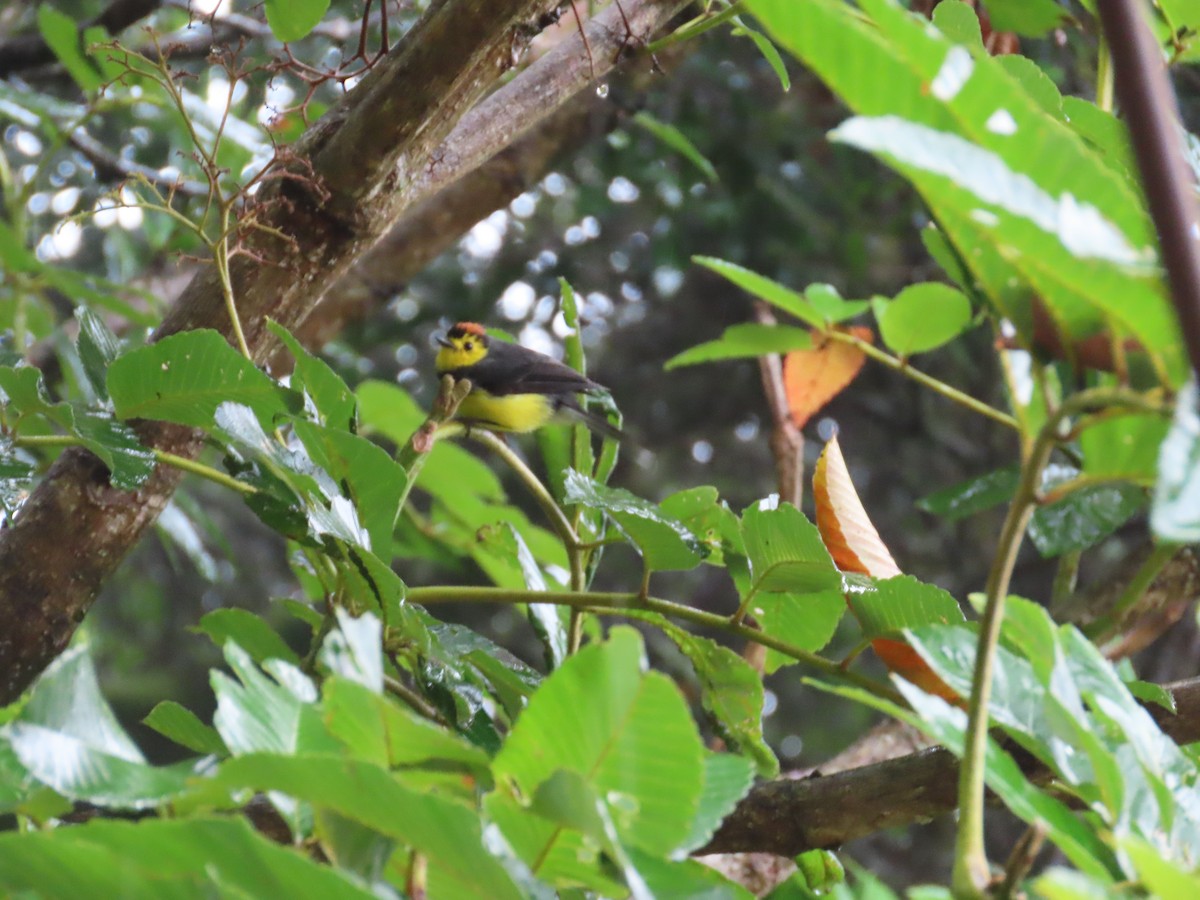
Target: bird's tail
597	423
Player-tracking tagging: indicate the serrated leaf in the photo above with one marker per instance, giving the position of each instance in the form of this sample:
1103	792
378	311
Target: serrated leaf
98	347
67	737
776	294
184	378
595	716
665	544
902	602
384	732
248	631
367	475
354	650
786	551
843	523
335	404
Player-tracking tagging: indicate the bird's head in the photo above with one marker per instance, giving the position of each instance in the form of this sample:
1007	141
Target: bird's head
464	345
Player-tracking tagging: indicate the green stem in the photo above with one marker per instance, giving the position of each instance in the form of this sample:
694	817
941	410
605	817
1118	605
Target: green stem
1104	76
160	456
197	468
695	28
971	872
935	385
616	603
562	525
533	484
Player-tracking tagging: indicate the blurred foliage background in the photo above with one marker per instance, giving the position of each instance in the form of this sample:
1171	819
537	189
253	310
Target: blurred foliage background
620	220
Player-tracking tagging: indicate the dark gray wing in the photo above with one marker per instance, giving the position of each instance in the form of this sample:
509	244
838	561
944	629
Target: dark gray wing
511	369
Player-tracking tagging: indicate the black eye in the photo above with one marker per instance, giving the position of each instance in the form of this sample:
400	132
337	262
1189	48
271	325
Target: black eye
468	345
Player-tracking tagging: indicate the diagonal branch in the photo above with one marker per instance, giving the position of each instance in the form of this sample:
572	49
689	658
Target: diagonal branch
75	528
375	156
26	51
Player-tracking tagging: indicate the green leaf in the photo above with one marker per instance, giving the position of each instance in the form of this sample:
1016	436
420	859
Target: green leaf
786	551
447	833
117	445
249	632
973	495
947	724
1085	516
184	378
255	713
731	692
727	779
739	341
684	878
672	137
335	404
948	119
709	519
354	650
959	22
1123	446
664	543
61	35
943	252
1031	18
627	731
181	725
1175	514
67	737
163	858
367	475
923	317
768	51
902	602
22	391
98	347
765	289
290	20
389	734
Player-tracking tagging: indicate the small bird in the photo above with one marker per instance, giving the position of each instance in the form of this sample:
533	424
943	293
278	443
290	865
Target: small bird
514	388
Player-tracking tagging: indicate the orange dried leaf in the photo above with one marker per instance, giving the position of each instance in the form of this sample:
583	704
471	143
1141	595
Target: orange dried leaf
845	527
813	377
856	546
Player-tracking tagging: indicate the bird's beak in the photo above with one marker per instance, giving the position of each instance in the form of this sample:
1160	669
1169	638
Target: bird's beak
443	342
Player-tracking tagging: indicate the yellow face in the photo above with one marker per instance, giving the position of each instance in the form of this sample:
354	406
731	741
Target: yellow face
464	345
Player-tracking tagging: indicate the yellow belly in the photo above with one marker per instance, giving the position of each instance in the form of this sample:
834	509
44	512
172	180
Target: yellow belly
517	412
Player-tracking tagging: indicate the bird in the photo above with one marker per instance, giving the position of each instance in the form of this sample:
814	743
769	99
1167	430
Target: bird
513	388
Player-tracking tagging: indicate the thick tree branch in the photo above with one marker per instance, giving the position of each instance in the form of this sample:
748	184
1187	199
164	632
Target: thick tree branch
75	528
787	817
372	156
